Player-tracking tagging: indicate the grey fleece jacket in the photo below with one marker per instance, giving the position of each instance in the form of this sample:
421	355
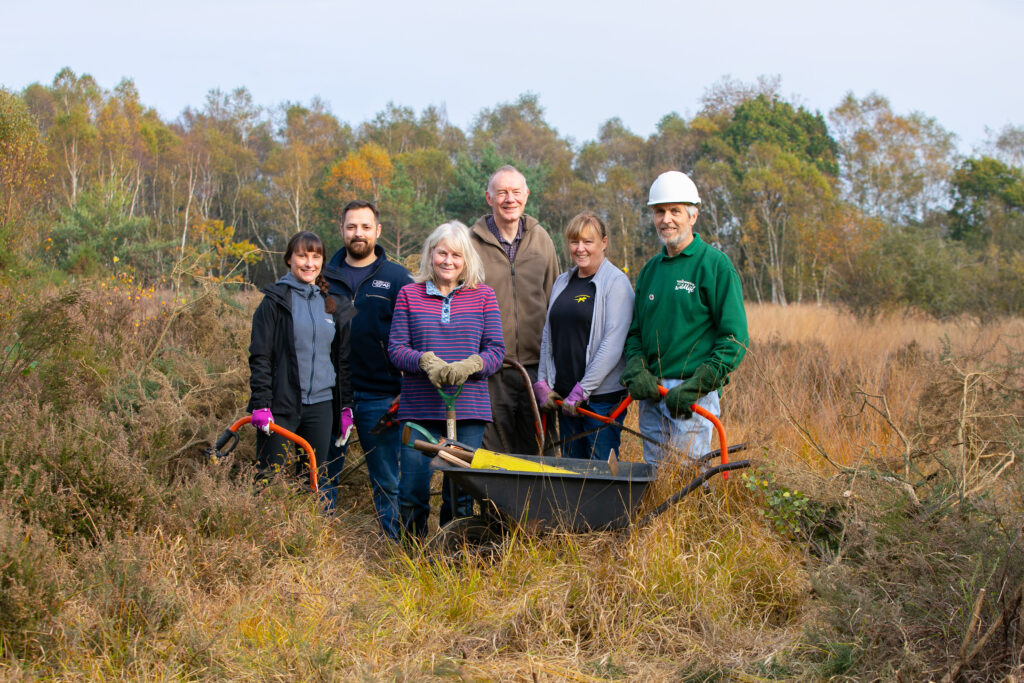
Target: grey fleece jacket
613	312
314	332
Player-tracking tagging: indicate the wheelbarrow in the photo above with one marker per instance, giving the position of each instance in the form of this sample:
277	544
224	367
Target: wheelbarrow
566	494
227	441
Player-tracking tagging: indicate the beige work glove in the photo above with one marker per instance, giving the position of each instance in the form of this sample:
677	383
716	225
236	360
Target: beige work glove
433	367
458	372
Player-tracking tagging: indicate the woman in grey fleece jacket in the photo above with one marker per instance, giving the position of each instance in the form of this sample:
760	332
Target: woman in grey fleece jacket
581	356
298	360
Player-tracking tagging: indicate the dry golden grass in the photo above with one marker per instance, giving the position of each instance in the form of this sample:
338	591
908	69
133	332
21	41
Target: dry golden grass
163	567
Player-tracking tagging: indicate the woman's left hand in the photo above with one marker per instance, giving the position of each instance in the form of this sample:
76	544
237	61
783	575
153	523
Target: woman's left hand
574	398
347	423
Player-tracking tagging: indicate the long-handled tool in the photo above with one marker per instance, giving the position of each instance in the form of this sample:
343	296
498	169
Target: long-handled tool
610	419
449	410
231	435
460	455
387	420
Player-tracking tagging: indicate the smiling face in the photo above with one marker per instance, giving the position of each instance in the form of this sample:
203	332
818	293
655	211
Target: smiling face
305	265
587	249
675	226
507	195
361	230
448	265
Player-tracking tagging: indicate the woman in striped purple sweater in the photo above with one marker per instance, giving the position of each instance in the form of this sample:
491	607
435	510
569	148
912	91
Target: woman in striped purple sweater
445	334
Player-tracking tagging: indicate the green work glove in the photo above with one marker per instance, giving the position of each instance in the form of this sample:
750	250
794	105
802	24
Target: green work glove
704	379
458	372
679	399
432	366
641	383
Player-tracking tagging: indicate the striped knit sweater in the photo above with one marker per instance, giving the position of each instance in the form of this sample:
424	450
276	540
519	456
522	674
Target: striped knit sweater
474	327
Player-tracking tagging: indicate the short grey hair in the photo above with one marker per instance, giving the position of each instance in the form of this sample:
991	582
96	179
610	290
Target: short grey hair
505	169
456	234
692	209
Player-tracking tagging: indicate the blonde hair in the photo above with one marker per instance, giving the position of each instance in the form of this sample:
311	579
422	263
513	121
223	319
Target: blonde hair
582	221
456	234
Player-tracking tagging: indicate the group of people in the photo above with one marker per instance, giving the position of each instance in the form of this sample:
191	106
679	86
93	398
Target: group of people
346	344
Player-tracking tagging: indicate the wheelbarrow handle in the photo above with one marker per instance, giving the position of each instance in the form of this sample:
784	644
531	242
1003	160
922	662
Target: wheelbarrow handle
232	433
723	447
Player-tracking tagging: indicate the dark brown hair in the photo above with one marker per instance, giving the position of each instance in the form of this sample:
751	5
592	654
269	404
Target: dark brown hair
360	204
303	242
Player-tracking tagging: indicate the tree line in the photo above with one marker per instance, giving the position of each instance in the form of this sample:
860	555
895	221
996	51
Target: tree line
865	207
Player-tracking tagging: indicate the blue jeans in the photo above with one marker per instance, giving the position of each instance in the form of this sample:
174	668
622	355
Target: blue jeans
416	508
692	436
383	459
595	446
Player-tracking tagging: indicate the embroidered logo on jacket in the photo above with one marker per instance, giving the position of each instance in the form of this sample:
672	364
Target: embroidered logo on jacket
685	284
381	284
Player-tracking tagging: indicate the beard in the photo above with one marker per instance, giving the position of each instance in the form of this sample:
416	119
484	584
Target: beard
359	248
673	242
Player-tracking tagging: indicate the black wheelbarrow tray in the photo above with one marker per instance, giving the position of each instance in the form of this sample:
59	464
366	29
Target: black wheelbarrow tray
588	495
588	499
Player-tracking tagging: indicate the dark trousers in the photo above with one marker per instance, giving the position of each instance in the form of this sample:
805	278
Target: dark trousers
513	429
595	446
313	424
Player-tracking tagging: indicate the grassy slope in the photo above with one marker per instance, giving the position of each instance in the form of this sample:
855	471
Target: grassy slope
125	554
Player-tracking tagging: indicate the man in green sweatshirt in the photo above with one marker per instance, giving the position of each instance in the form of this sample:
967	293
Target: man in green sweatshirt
689	328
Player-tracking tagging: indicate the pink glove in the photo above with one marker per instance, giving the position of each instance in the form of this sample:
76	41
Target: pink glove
574	398
347	423
261	419
541	391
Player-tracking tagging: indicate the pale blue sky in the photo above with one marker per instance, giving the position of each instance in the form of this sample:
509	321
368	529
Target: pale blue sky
587	61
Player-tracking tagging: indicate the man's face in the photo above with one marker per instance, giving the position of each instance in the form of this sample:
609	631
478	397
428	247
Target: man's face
360	229
507	196
674	224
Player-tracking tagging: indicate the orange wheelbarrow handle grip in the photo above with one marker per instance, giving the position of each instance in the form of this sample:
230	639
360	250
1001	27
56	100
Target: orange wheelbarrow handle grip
294	438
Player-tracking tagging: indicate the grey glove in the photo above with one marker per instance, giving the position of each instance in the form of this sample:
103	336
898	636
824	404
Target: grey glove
458	372
549	402
432	366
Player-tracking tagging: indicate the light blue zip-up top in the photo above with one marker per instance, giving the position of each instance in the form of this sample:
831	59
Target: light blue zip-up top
314	332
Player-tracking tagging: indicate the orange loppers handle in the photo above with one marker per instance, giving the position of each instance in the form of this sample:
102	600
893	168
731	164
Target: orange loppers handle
291	436
723	444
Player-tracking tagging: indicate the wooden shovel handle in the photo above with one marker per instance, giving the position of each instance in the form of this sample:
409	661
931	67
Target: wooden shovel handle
450	454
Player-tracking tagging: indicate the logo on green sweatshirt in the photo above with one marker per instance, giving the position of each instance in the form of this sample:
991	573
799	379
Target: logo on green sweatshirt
685	284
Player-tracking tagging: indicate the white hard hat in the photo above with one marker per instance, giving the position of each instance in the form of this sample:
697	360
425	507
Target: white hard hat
673	187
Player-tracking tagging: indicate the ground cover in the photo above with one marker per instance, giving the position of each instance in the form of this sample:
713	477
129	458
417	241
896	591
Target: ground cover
877	535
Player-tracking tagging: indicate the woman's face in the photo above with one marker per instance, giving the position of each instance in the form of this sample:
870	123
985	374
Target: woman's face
587	250
306	265
448	264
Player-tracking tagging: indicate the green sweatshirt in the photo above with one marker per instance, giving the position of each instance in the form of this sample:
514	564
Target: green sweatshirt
688	311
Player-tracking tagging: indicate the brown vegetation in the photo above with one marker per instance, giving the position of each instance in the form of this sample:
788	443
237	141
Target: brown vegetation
876	537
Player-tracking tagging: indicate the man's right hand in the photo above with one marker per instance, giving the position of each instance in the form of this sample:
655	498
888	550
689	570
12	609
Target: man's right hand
432	366
642	385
